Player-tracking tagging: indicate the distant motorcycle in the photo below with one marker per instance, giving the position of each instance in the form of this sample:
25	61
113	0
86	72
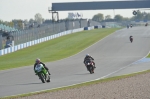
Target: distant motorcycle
42	73
127	26
90	66
131	39
146	24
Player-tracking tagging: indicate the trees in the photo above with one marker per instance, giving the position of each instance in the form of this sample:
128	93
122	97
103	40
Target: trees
98	17
11	24
20	24
108	17
1	21
141	16
31	21
38	18
147	16
17	23
118	17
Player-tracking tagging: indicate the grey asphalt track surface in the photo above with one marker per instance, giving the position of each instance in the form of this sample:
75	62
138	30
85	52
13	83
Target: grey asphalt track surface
114	55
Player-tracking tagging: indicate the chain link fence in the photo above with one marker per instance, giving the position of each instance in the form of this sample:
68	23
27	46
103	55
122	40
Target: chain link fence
44	30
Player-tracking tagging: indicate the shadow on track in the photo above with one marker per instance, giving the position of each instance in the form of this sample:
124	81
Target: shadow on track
30	83
23	84
83	74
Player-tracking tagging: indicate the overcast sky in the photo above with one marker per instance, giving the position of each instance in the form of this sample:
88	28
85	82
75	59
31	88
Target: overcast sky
26	9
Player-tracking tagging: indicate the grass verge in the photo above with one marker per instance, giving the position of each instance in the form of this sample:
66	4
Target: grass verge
148	56
79	85
55	49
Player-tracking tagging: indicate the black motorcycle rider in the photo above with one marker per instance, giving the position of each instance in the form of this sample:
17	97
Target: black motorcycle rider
88	57
37	61
128	26
131	39
146	24
131	25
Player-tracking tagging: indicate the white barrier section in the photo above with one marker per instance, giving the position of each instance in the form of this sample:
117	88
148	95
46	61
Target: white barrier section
8	50
16	48
49	37
90	28
27	44
46	38
63	33
5	51
2	52
24	45
41	40
30	43
38	41
33	42
12	49
21	46
52	36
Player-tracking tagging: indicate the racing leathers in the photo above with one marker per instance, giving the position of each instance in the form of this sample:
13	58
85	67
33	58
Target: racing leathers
89	58
43	65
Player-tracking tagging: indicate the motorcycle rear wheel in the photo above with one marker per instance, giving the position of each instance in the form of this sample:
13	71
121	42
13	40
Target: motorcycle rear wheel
91	70
41	76
48	79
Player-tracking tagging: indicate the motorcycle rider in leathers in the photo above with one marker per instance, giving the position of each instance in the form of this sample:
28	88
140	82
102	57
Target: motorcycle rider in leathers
131	39
37	61
88	57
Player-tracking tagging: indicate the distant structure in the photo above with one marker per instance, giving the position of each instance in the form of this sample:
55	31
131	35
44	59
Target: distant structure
76	15
95	5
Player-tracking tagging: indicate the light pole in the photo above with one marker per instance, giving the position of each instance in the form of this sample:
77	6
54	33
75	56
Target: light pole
114	17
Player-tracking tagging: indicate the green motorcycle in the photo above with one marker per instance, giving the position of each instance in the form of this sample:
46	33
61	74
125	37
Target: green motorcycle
42	73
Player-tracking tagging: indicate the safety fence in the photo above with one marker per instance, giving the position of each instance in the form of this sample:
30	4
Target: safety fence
40	40
44	30
49	29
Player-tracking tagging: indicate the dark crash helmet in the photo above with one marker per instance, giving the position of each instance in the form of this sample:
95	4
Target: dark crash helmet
87	55
37	60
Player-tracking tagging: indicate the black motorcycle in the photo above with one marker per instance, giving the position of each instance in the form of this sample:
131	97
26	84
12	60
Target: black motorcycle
131	39
146	24
90	66
131	26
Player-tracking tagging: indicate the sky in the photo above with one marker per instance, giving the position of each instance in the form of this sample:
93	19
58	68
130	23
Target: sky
26	9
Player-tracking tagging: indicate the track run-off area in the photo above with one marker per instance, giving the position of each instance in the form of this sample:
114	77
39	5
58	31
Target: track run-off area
114	55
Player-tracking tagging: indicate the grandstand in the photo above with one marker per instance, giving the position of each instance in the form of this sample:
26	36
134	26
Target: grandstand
6	29
5	32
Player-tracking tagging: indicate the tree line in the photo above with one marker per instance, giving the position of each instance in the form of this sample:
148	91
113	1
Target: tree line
141	16
37	21
19	23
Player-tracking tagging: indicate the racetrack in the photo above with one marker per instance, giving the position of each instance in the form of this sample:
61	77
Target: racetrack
113	56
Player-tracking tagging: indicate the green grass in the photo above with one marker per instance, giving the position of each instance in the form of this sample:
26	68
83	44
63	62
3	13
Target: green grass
78	85
148	56
55	49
